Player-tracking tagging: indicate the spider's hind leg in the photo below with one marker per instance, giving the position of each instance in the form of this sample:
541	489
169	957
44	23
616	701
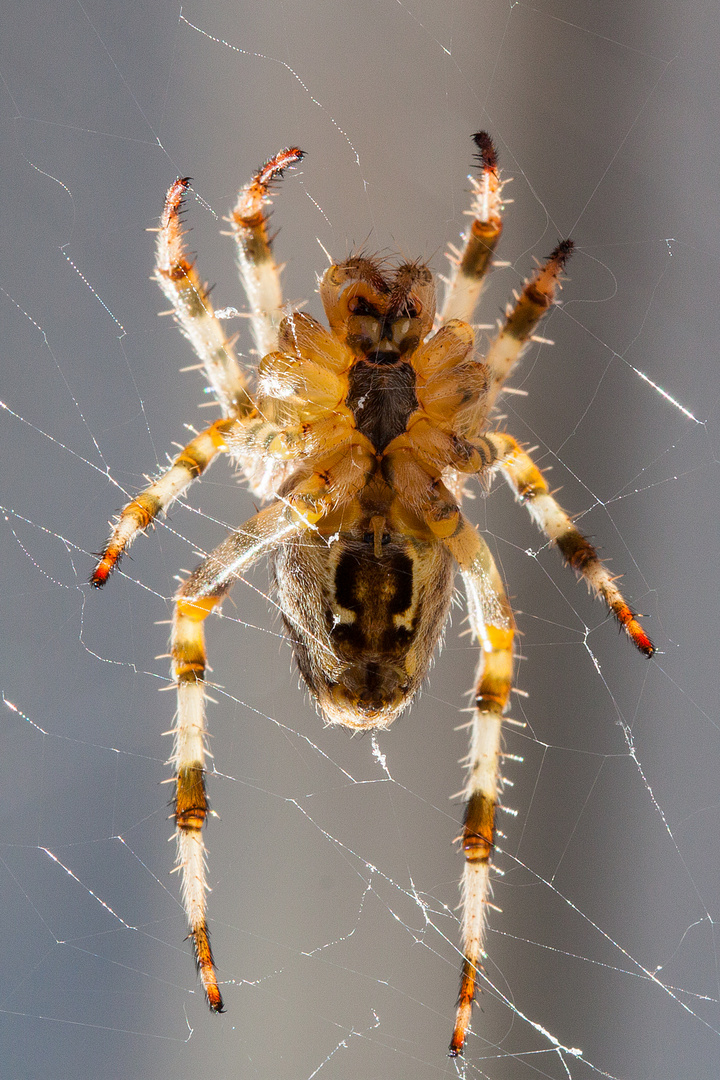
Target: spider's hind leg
200	594
493	625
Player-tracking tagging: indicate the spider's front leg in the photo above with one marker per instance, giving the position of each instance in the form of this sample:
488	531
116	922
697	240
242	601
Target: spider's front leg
470	263
259	273
492	624
177	276
206	587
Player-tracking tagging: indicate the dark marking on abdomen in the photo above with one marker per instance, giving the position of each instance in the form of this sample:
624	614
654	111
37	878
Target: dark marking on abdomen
375	591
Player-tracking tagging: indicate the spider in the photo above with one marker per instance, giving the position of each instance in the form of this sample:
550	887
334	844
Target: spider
362	437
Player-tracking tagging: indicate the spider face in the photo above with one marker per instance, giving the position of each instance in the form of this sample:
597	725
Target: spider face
361	438
379	316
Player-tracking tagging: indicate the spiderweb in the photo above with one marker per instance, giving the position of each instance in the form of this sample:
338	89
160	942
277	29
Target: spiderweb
334	877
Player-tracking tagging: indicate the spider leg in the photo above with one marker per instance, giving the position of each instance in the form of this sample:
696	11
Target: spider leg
521	320
530	488
178	279
335	482
470	265
206	587
259	273
492	623
191	462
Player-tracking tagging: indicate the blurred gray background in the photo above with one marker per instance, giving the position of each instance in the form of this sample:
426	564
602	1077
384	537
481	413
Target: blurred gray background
607	120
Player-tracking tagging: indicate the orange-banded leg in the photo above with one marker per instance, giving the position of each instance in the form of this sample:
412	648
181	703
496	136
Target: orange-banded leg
492	623
178	278
259	273
470	264
199	595
530	488
521	320
190	463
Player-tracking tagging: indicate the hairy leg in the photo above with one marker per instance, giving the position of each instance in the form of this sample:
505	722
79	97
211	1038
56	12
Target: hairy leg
178	278
259	273
471	263
531	488
492	624
202	592
191	462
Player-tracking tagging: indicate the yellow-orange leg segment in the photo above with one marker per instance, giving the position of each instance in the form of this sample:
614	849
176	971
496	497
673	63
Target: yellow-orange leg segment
199	595
530	487
492	624
470	264
259	273
190	463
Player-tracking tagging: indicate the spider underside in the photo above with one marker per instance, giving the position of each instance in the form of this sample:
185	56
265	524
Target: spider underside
361	438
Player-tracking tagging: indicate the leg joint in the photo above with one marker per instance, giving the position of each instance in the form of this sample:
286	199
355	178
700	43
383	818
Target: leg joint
479	827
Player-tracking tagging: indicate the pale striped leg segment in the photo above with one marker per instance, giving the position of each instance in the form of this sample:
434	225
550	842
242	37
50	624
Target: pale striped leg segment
530	487
259	273
471	263
207	586
522	318
190	463
178	278
492	624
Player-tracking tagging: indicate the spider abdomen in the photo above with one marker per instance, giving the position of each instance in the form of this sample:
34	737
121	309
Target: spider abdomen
365	633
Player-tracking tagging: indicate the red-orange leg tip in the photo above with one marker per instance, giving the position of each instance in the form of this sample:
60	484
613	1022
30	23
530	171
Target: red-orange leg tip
248	212
635	631
174	198
640	638
468	985
206	967
214	999
462	1023
277	165
104	569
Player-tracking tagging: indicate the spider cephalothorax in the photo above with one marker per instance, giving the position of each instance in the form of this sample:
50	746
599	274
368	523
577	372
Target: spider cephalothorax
363	436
